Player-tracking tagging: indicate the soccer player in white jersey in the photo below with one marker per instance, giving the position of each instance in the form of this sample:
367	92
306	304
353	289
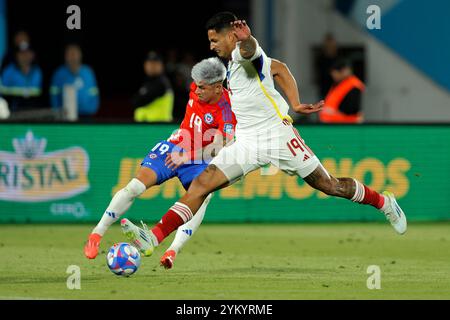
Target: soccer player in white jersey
263	136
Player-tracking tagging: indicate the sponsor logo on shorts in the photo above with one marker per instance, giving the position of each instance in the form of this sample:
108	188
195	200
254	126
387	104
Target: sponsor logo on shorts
209	118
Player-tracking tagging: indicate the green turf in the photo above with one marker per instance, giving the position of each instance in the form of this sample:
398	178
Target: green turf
300	261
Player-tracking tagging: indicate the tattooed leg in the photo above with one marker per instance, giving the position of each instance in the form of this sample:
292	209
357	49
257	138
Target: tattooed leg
321	180
347	188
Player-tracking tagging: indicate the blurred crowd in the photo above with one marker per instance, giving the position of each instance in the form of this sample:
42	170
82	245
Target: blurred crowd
163	92
21	80
160	98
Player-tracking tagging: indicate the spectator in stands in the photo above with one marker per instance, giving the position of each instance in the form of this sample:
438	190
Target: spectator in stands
20	39
21	80
82	77
324	62
154	100
343	101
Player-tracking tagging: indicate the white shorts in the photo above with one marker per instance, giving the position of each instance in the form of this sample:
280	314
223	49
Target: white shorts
283	148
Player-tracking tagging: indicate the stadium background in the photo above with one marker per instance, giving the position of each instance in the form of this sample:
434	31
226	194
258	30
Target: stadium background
408	93
56	178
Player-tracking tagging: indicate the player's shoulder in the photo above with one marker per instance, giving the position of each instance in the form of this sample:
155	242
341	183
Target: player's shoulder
223	103
192	87
223	108
192	94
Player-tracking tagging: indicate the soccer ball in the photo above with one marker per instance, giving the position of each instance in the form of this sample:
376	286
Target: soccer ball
123	259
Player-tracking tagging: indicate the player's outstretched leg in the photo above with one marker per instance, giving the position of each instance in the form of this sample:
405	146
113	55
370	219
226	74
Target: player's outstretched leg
355	191
184	233
120	203
210	180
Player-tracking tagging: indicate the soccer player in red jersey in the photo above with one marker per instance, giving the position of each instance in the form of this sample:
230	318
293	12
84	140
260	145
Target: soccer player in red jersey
208	124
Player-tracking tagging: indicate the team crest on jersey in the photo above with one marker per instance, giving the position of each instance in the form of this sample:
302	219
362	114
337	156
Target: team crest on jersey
152	156
209	118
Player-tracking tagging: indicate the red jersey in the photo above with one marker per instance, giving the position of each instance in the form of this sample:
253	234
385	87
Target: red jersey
203	121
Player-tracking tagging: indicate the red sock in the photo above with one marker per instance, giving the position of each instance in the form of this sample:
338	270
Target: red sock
177	215
373	198
365	195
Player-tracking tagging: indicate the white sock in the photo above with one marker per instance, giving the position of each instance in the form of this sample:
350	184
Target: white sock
185	232
120	203
386	204
359	192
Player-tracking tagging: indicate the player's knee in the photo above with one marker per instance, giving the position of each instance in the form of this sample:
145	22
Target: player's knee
200	186
134	188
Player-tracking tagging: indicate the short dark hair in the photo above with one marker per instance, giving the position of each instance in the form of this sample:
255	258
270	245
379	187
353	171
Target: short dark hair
341	63
221	21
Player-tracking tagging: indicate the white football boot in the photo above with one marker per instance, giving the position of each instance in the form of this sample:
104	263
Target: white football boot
394	213
142	238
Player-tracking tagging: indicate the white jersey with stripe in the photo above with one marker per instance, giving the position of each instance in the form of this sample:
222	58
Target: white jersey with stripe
258	106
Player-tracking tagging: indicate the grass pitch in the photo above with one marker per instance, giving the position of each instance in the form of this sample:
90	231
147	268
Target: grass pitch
283	261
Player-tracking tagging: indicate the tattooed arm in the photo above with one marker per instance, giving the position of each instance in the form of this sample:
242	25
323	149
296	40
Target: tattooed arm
244	35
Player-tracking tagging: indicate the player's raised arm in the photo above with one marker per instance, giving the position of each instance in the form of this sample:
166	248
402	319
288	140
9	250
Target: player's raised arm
243	34
286	81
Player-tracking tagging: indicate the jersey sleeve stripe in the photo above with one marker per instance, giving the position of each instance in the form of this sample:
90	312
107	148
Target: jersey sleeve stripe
258	64
272	101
